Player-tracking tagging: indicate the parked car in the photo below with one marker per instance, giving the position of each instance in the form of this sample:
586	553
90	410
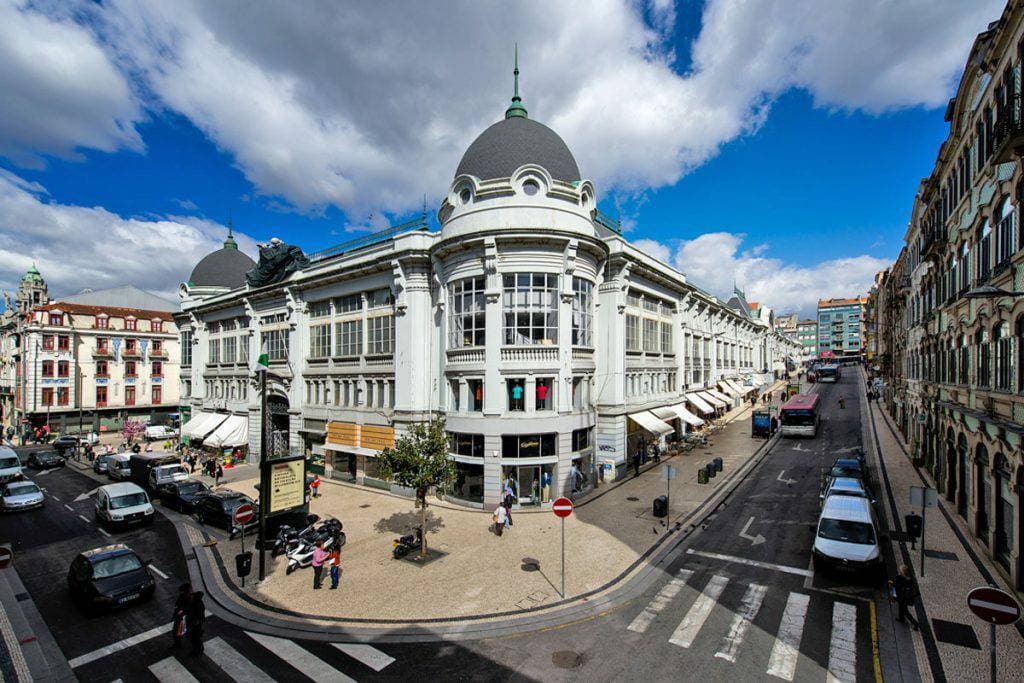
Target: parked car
65	444
44	460
10	464
119	466
849	467
845	486
100	464
165	474
143	464
217	508
158	433
20	494
182	495
123	504
847	536
108	577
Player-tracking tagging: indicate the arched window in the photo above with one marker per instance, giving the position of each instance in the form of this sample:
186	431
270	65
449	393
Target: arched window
965	267
1005	232
1004	356
951	376
964	363
984	252
983	378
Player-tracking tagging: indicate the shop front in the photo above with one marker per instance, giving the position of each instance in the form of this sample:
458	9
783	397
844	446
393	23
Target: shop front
350	452
528	467
314	437
643	430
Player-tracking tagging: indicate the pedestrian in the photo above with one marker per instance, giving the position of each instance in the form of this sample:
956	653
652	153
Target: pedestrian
194	620
181	605
334	558
842	403
499	517
319	557
191	464
314	486
507	504
753	402
218	473
904	592
775	424
636	464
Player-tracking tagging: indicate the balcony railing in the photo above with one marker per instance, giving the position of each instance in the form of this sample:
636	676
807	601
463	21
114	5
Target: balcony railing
466	355
1008	132
529	354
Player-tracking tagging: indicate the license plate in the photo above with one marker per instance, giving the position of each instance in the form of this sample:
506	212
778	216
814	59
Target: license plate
127	598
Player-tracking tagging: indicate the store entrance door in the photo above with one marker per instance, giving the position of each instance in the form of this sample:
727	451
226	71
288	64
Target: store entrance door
529	485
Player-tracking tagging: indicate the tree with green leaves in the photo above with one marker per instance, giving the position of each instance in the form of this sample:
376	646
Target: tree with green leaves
420	461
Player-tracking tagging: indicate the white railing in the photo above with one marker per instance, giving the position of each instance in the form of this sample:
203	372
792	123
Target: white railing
583	354
470	355
529	354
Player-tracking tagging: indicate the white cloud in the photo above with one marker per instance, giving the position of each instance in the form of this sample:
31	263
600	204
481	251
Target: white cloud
368	106
59	91
77	247
654	249
715	261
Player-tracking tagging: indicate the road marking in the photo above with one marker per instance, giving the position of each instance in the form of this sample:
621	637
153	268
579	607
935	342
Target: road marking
122	645
170	670
749	608
752	563
842	649
158	572
784	481
43	473
54	497
84	518
104	531
691	624
86	495
660	601
876	660
367	654
69	507
754	540
300	658
233	663
786	652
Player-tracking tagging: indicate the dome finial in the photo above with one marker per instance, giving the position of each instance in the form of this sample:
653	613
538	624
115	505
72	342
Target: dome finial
516	108
230	242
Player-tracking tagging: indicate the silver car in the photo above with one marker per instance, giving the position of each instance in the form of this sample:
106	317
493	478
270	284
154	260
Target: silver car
20	495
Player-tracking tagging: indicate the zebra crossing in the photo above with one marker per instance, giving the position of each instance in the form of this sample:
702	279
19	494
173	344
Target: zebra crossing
789	630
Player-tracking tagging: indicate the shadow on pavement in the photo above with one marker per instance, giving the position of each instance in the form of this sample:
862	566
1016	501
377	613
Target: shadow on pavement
406	522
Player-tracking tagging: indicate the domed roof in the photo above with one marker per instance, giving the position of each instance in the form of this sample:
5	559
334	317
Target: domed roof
515	141
225	267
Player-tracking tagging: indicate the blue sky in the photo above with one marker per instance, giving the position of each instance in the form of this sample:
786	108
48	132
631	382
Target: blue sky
775	143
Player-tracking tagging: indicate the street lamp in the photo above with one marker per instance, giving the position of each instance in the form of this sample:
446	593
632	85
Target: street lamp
989	292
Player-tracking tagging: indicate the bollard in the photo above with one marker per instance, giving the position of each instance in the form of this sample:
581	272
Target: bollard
710	469
718	464
702	476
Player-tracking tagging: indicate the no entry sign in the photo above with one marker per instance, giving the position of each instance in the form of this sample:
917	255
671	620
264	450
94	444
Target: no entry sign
244	514
6	555
993	605
562	507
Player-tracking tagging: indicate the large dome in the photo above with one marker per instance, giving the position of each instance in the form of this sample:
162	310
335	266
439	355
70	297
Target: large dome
513	142
223	268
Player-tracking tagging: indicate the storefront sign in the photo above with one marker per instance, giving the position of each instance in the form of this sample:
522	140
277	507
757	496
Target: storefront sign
287	485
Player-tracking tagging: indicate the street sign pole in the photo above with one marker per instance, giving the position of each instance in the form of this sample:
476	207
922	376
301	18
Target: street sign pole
924	508
998	608
563	562
992	651
562	508
243	551
261	540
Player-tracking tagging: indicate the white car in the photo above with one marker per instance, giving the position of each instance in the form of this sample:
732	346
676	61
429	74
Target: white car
21	494
10	464
847	537
166	474
123	504
158	432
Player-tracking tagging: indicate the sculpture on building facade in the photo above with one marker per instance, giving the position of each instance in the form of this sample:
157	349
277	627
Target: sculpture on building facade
277	261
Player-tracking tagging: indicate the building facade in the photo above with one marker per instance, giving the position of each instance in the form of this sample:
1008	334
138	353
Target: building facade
840	328
32	292
553	347
807	337
951	347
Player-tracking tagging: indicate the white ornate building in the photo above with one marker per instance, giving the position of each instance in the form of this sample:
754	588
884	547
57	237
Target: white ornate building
550	344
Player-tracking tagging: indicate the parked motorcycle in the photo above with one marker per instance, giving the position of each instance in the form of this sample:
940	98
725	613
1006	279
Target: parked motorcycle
329	532
288	536
404	545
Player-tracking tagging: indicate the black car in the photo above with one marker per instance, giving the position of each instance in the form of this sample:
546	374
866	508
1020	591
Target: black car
217	508
109	577
65	444
182	495
45	459
849	467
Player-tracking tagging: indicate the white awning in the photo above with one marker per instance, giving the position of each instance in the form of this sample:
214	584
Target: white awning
686	416
742	388
720	396
234	431
201	424
728	390
714	400
700	404
652	424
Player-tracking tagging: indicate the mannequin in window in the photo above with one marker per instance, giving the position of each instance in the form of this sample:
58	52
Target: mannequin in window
517	396
542	395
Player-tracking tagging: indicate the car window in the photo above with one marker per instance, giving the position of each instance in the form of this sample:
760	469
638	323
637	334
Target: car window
9	461
22	488
128	500
191	487
846	531
115	566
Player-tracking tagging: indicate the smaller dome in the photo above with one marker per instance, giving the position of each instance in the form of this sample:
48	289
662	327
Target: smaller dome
223	268
32	275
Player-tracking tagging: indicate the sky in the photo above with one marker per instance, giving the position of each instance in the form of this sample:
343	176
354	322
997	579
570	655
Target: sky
776	144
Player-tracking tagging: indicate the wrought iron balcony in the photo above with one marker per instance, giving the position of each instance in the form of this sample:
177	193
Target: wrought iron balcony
1008	132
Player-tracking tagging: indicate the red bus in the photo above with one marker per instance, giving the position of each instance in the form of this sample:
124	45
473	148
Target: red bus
799	416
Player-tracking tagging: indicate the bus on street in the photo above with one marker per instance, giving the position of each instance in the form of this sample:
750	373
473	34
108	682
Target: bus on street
799	416
829	373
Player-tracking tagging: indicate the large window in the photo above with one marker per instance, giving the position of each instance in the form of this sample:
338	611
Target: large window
632	333
186	348
276	344
243	349
530	305
666	337
467	320
985	252
529	445
1004	233
470	445
582	312
101	396
227	349
348	338
651	336
1004	356
213	350
984	378
581	439
380	334
320	341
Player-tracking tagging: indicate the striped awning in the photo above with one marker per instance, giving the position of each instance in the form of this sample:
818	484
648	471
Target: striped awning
720	396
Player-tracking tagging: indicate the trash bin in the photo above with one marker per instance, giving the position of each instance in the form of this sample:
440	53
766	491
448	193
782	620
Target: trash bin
243	564
661	506
702	475
710	469
913	524
718	464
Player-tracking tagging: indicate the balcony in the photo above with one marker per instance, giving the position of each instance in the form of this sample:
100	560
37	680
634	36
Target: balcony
1008	132
470	354
104	352
529	354
162	353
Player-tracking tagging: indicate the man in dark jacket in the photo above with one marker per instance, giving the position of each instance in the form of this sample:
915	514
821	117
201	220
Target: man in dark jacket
906	595
194	620
181	605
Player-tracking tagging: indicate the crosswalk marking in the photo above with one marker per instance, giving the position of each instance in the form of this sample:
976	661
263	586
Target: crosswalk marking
170	670
233	663
842	650
660	601
691	624
749	608
786	652
367	654
300	658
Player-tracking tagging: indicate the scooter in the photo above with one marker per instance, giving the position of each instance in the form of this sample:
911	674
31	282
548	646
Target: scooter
288	536
404	545
302	554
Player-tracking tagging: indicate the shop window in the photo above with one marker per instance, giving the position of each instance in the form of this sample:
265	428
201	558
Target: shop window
529	445
545	393
516	389
63	396
475	399
469	482
469	445
47	396
581	439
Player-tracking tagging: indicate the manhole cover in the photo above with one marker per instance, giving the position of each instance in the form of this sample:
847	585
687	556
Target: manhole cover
566	659
365	505
632	498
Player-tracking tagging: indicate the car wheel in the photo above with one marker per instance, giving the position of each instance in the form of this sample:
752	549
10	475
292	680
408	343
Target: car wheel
201	518
289	569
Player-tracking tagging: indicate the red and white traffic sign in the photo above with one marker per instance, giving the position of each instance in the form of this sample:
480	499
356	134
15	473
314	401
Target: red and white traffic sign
562	507
244	514
6	555
993	605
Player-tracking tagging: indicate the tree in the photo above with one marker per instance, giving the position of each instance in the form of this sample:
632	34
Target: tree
419	461
130	429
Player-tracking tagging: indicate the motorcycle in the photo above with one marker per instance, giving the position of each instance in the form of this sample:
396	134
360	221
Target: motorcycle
329	533
288	536
404	545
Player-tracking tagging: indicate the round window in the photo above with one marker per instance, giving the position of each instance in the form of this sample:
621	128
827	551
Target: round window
465	196
530	187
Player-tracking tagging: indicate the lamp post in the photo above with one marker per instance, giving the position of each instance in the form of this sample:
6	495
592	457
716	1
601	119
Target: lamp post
989	292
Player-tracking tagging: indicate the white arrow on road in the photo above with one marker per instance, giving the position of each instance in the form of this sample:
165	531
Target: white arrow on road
85	496
798	447
755	540
42	473
788	482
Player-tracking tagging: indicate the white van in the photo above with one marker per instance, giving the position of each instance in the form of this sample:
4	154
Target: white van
847	536
123	504
119	466
10	464
166	474
158	433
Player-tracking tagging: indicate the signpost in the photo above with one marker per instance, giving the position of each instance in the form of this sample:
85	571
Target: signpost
668	473
924	498
997	608
243	515
6	555
562	508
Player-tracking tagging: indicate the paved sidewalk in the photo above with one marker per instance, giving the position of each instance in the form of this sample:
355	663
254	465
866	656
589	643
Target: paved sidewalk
952	644
28	651
610	540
